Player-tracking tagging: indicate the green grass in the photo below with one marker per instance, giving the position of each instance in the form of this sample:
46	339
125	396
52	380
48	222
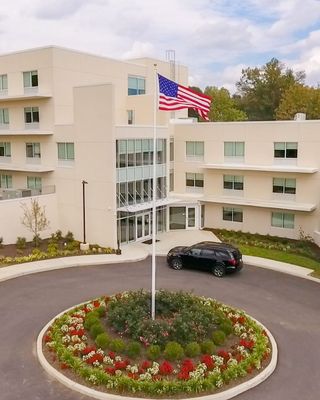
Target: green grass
303	253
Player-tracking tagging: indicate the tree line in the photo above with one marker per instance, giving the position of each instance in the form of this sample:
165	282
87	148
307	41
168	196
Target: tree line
271	92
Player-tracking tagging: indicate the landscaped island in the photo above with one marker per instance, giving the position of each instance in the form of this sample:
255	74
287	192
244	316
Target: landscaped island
195	345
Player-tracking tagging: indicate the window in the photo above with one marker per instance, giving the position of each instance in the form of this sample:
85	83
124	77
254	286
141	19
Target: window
66	151
194	180
171	180
234	149
3	82
282	220
232	214
195	149
6	181
285	149
31	115
233	182
171	149
33	150
283	185
5	149
30	79
34	182
136	85
130	114
4	116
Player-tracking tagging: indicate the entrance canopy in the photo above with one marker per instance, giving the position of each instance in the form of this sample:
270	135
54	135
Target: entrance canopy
147	205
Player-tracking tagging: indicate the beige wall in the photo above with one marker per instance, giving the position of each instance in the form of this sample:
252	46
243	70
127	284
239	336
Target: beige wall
11	213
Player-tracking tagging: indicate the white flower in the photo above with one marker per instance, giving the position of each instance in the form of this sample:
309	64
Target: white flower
219	383
118	372
93	379
108	360
64	328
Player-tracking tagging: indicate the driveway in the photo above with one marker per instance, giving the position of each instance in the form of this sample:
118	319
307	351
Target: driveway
287	305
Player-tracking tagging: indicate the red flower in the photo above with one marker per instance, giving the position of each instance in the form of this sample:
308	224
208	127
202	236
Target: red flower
88	350
249	369
110	370
112	355
224	354
133	376
242	319
96	303
248	344
183	375
120	365
207	359
145	364
165	368
64	366
47	338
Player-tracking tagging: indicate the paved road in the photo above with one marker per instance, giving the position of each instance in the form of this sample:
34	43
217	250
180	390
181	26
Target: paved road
287	305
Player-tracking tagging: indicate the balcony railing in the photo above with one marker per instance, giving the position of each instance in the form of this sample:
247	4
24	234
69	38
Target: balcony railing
6	194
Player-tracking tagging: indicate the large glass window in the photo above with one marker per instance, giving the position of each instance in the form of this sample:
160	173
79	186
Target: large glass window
285	149
194	180
34	182
282	220
136	85
5	181
65	151
284	185
33	150
234	149
31	115
194	149
5	149
4	116
232	214
30	79
233	182
3	82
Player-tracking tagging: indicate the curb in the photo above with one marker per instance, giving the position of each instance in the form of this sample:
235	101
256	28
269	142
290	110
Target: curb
225	395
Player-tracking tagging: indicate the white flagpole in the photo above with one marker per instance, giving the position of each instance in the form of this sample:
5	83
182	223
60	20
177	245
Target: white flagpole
154	196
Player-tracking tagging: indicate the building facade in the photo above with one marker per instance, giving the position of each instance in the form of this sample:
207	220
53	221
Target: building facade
68	117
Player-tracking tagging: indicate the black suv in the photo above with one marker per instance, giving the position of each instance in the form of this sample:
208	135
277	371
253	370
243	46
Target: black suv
215	257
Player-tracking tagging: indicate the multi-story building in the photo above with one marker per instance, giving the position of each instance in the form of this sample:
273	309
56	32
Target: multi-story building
68	117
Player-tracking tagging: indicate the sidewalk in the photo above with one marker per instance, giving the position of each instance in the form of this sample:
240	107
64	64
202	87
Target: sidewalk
134	252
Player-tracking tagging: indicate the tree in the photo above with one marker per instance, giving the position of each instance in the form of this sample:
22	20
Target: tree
299	98
34	219
260	89
223	106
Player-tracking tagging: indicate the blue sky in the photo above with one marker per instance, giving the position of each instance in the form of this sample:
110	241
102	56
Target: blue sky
216	39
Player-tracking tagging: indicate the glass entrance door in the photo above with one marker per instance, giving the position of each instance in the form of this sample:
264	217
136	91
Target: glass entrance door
183	217
191	217
143	225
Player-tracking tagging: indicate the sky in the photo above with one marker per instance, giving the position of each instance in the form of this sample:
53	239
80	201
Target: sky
215	39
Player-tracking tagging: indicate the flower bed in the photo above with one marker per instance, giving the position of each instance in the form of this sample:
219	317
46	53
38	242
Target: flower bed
111	343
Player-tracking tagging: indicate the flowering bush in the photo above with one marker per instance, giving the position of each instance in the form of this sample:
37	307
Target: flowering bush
72	348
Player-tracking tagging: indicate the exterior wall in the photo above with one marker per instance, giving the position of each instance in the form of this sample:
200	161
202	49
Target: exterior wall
258	168
11	214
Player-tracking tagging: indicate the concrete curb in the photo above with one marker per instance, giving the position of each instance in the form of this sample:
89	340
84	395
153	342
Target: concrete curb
225	395
15	271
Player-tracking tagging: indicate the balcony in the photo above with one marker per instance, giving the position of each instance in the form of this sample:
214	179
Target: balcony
29	129
263	168
8	194
6	165
274	204
32	95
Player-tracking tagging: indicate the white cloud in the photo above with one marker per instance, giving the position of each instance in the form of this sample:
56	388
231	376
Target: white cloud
216	39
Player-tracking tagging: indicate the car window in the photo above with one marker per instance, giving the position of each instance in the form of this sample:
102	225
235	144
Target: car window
221	254
195	251
207	253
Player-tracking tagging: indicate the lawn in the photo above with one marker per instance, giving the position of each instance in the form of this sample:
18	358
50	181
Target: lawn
302	252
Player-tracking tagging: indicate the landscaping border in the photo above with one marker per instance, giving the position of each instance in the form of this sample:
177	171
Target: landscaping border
226	394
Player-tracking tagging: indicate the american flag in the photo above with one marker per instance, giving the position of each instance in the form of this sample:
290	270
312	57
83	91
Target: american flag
173	96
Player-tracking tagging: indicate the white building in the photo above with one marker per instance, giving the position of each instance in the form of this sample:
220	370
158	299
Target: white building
68	117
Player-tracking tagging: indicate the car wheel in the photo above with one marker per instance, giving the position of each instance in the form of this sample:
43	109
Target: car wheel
218	270
176	263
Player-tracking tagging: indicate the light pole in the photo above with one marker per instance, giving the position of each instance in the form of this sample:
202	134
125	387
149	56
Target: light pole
84	183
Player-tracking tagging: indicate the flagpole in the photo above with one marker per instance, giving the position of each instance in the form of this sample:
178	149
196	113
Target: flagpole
154	196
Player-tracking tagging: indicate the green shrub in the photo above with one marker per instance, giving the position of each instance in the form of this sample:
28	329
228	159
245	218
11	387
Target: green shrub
226	327
101	311
1	241
153	352
36	240
207	347
133	349
117	345
72	245
192	349
58	235
21	242
173	351
52	248
69	237
218	337
92	318
102	340
96	329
